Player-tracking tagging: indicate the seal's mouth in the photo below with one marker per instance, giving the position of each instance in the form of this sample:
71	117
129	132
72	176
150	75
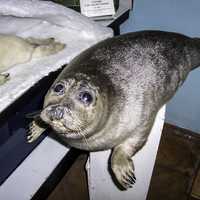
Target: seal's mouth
63	121
61	128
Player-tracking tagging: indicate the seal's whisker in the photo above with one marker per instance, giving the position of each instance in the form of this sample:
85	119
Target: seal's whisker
79	132
34	114
86	141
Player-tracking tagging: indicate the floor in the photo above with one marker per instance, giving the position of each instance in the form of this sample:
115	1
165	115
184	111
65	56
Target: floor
175	176
73	185
176	165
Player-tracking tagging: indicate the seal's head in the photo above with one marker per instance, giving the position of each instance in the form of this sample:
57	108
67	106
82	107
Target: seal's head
75	105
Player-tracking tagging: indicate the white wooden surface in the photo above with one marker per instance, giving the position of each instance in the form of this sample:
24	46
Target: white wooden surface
100	182
32	173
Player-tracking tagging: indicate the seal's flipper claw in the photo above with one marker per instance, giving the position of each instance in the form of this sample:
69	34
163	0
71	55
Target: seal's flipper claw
34	131
128	181
123	168
131	178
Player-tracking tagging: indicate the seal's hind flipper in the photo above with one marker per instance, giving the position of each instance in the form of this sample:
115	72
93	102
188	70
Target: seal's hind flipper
35	129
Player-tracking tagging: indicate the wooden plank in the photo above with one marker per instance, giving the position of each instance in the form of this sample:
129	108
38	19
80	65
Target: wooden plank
196	187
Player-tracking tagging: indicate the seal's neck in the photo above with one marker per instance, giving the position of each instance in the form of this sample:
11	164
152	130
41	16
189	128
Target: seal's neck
194	51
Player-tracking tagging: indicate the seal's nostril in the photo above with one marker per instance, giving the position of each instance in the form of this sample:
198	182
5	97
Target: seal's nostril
59	112
55	113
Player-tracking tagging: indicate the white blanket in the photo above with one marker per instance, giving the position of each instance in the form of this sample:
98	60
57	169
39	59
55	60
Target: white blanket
42	19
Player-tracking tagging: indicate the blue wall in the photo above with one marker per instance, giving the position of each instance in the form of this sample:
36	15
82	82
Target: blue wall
179	16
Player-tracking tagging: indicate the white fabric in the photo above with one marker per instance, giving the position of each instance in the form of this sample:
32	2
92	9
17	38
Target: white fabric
43	19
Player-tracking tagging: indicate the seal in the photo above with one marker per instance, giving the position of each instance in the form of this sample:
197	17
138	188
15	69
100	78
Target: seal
16	50
109	95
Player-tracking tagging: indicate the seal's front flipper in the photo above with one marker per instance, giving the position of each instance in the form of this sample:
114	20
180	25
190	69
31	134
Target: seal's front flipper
123	168
35	129
121	160
4	78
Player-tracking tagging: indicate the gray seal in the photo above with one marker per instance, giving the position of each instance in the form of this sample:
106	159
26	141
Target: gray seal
109	95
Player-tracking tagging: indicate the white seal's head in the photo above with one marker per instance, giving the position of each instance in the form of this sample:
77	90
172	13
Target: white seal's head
76	106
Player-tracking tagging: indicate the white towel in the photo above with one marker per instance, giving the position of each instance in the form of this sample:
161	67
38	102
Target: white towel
43	19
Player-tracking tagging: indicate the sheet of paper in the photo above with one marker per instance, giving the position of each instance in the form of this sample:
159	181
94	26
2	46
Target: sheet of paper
95	8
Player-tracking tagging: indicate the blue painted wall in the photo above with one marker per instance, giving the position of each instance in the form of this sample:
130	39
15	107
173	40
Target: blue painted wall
179	16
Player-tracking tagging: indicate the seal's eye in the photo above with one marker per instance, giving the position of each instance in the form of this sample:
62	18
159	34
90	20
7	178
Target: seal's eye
59	88
85	97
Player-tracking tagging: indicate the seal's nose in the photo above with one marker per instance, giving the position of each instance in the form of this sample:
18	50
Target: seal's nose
56	112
